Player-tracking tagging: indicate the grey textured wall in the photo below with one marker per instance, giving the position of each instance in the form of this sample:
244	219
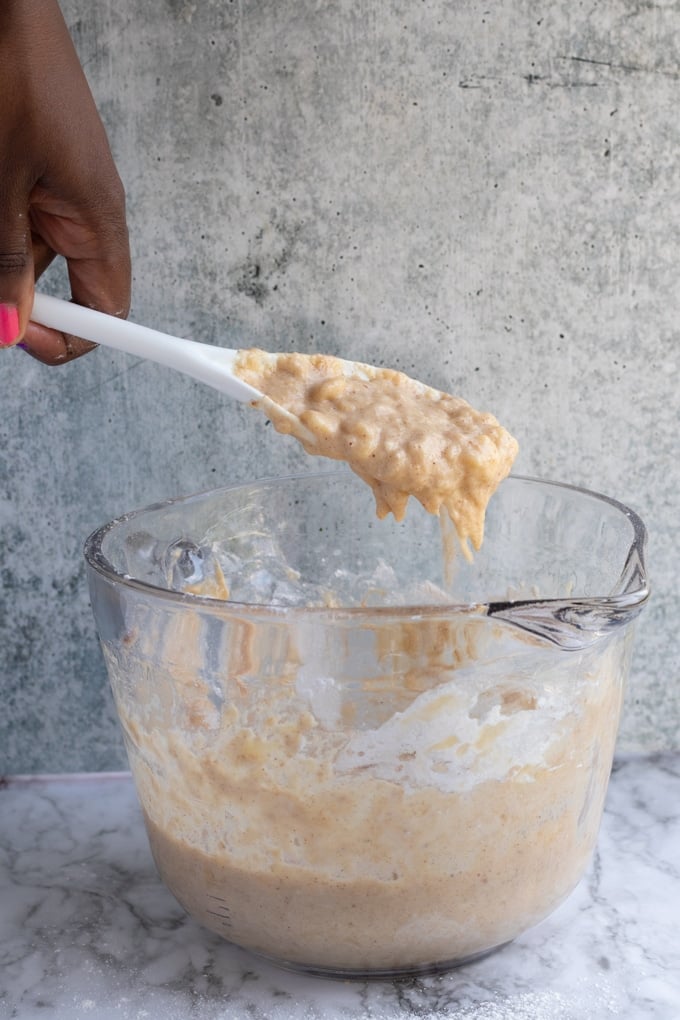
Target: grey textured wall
485	195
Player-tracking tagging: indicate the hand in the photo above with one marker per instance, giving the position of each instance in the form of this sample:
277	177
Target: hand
60	193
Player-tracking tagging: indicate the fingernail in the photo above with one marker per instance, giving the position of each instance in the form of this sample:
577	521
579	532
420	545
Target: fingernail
9	325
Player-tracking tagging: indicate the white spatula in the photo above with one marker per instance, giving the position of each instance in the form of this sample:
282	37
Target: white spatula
211	365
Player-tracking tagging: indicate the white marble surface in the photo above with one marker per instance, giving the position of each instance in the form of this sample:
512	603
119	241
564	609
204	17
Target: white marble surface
87	930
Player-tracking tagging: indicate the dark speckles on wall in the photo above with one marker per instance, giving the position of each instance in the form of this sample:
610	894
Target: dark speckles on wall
271	252
248	281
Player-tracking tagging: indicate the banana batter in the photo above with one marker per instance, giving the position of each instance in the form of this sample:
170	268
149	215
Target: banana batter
402	437
405	819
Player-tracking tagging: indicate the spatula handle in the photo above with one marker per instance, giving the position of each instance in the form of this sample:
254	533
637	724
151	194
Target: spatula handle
211	365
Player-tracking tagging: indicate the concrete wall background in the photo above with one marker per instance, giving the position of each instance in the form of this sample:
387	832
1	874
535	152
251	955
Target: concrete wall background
483	195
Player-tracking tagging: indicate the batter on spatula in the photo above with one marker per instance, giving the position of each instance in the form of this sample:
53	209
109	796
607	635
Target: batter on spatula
402	437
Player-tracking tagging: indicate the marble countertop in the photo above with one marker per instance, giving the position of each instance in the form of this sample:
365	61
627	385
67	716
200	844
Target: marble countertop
88	931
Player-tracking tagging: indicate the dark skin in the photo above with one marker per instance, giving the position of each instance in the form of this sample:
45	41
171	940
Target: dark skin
60	193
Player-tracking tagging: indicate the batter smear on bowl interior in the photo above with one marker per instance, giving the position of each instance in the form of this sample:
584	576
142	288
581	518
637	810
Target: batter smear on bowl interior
401	437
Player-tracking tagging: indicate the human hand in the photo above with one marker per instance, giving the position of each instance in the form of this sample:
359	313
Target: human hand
60	193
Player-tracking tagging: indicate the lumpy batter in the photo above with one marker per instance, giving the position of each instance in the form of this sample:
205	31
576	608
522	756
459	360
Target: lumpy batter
433	823
400	436
400	817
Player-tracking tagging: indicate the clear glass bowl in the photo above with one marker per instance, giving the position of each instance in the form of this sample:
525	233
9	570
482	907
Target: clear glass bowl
404	771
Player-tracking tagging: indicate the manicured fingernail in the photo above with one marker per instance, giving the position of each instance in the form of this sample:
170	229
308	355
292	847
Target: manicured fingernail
9	325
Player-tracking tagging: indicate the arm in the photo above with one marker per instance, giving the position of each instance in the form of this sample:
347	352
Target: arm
60	193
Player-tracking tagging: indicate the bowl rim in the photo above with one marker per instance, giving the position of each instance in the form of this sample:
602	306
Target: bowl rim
548	617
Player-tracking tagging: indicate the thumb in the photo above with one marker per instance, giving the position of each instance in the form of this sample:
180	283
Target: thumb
16	271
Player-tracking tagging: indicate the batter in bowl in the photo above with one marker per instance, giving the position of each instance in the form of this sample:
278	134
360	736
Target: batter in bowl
396	819
339	844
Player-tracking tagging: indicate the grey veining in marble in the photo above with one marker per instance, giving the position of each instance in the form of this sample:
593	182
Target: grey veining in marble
485	194
87	931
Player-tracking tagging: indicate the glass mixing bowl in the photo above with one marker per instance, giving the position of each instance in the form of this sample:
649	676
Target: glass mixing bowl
358	753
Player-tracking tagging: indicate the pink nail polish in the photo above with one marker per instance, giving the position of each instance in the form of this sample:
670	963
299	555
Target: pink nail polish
9	325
